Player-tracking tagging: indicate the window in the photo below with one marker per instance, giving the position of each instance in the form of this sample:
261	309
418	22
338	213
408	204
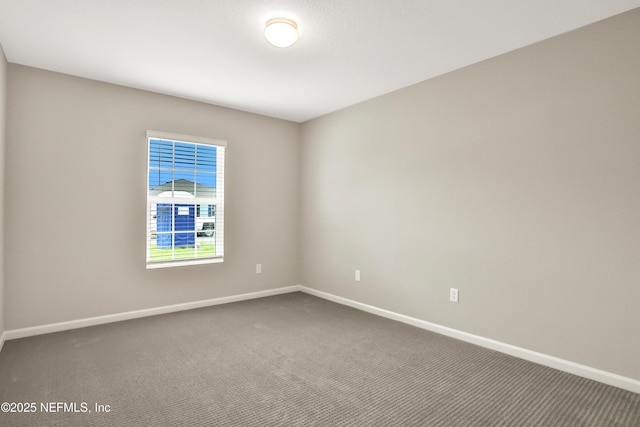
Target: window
185	200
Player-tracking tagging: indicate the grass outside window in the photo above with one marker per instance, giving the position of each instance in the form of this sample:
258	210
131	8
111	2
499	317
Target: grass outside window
205	250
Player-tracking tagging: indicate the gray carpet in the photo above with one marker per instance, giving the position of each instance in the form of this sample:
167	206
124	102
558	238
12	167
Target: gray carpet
290	360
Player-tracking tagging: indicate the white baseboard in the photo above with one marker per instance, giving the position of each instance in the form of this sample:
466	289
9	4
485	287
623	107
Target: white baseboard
110	318
532	356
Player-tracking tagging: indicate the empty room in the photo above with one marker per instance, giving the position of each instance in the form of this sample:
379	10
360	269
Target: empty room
319	213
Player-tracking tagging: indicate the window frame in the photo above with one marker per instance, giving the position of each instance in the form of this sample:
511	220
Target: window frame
218	201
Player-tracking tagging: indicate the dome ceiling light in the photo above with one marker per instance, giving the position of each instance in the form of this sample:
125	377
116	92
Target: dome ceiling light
281	32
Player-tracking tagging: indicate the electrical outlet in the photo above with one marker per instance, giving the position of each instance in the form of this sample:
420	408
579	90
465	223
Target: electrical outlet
357	275
453	295
258	268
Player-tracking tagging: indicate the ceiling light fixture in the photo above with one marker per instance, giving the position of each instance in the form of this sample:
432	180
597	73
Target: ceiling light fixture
281	32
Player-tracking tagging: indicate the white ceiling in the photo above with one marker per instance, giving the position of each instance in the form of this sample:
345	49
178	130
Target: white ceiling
214	50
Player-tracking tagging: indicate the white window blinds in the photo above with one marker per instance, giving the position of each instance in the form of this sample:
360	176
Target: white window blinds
185	200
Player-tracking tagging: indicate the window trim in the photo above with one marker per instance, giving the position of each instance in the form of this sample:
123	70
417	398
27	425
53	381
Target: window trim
189	139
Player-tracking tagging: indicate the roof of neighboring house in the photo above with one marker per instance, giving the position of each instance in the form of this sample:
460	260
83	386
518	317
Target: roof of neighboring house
184	185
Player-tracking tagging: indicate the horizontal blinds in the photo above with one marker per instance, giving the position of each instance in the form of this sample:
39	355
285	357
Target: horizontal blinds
185	198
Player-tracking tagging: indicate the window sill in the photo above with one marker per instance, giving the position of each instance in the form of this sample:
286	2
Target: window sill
165	264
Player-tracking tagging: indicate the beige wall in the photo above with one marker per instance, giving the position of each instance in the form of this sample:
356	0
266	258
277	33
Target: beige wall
75	202
3	102
515	180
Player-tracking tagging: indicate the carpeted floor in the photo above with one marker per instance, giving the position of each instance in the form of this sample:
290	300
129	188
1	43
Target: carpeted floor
288	360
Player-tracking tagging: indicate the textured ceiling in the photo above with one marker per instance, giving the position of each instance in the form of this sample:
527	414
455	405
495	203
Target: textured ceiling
214	50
